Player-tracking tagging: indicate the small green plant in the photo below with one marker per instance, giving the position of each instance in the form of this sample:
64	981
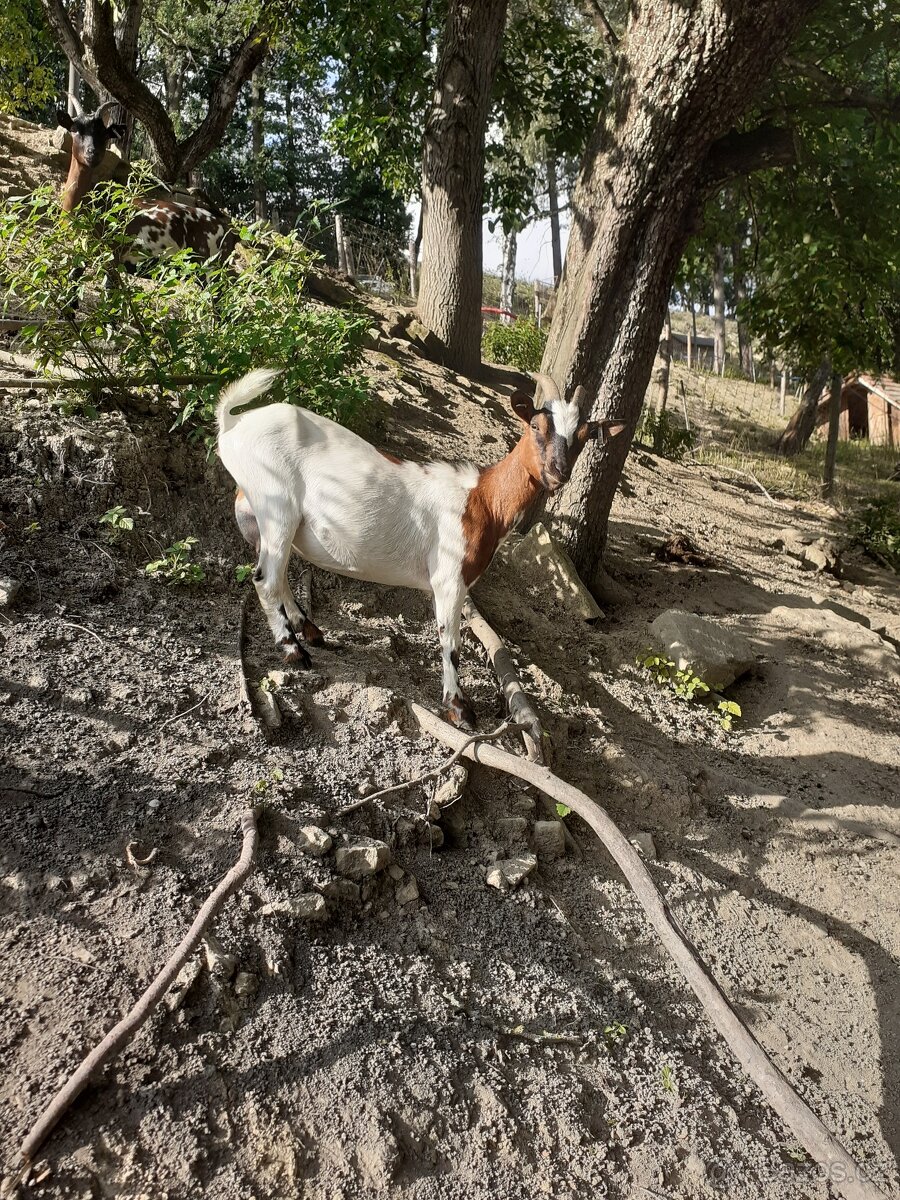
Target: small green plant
243	572
117	519
688	686
615	1032
175	566
667	1080
664	434
877	530
520	345
562	810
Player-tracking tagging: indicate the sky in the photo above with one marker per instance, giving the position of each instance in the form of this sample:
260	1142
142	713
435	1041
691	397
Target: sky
534	259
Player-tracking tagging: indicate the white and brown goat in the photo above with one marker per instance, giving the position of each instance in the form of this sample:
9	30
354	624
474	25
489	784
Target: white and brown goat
307	484
158	227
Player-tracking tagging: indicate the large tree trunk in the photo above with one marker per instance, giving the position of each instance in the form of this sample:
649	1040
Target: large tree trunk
686	73
453	179
553	204
719	310
800	427
508	274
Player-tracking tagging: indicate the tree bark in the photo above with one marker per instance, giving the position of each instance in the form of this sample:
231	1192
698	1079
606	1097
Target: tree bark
800	427
719	310
257	109
663	359
553	204
834	425
101	64
745	350
686	73
453	179
508	274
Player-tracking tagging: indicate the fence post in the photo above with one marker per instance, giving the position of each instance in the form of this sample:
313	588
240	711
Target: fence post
783	392
341	247
689	344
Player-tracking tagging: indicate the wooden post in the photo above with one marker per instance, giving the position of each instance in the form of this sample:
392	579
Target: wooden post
341	247
834	425
537	306
689	342
412	268
74	83
783	393
348	257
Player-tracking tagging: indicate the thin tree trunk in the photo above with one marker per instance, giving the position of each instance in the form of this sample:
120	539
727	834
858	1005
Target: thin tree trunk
73	89
257	119
553	202
782	396
641	185
508	274
834	425
719	310
450	280
745	349
663	358
291	163
800	427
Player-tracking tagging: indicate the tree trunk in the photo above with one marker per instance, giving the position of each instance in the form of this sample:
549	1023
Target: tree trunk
553	203
745	350
450	281
719	310
257	118
508	274
291	160
661	370
834	425
687	72
801	425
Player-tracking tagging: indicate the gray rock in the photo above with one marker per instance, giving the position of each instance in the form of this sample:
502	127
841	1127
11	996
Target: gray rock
643	842
716	655
549	840
365	856
509	872
453	788
512	829
9	589
343	890
313	840
408	891
246	984
823	555
182	984
838	633
308	906
537	555
437	836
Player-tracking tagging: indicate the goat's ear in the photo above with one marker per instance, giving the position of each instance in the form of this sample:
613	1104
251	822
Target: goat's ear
522	405
63	118
115	132
602	431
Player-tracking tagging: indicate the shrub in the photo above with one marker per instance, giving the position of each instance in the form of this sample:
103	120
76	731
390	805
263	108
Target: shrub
183	317
520	345
665	434
877	530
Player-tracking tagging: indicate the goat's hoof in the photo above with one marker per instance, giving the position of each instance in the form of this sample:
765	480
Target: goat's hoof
313	634
296	656
459	711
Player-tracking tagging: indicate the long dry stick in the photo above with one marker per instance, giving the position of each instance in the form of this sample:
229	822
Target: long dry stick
520	707
122	1033
843	1172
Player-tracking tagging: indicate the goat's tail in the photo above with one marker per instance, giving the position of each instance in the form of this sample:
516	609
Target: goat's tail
242	391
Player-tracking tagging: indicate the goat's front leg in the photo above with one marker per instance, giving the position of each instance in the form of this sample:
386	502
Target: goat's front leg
448	602
270	579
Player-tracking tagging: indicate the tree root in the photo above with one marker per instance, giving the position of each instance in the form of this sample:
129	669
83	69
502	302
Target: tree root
844	1173
122	1033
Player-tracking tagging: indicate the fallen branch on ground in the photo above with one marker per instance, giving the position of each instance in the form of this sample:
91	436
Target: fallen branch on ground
122	1033
520	706
843	1171
435	772
749	475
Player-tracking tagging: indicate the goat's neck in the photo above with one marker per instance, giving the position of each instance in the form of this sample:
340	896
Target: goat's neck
510	486
78	183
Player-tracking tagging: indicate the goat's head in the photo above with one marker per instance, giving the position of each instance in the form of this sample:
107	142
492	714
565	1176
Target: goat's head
90	132
557	431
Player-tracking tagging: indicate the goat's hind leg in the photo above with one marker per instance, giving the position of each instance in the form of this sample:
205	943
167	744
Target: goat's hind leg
448	604
274	592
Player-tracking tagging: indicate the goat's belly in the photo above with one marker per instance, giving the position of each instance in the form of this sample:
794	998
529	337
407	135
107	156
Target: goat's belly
369	560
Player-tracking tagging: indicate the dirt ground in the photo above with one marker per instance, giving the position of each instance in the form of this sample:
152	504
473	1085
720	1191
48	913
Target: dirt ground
463	1042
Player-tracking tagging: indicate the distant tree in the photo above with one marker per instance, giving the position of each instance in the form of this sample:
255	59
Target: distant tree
27	78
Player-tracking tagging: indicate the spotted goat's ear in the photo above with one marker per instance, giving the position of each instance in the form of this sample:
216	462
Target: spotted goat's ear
522	405
605	431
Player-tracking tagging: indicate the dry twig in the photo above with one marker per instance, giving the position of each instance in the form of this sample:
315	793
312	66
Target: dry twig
845	1173
124	1031
187	711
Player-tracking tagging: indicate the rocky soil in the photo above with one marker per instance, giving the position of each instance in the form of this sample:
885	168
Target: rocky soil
373	1018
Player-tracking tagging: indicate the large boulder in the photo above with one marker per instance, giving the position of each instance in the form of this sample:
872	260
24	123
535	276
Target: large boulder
714	654
547	565
837	632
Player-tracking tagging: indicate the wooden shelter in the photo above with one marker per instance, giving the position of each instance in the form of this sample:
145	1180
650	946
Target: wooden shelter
870	408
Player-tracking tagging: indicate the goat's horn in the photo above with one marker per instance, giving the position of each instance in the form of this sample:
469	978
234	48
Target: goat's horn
106	108
579	397
548	387
79	111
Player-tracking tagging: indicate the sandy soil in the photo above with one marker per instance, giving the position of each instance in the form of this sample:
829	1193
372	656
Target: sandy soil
466	1043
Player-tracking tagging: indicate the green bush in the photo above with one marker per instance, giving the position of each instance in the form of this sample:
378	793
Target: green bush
520	345
877	530
181	317
664	434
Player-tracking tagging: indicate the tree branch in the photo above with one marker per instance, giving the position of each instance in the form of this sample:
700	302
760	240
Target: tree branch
598	17
839	94
740	153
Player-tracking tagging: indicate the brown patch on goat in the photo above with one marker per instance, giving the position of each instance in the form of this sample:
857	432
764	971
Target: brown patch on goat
502	494
391	457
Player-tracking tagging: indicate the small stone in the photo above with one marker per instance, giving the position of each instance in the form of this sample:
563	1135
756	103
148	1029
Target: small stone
246	984
184	980
343	890
395	872
437	836
313	840
549	840
713	653
643	842
509	872
408	891
309	906
9	589
217	961
452	788
512	829
823	555
366	856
